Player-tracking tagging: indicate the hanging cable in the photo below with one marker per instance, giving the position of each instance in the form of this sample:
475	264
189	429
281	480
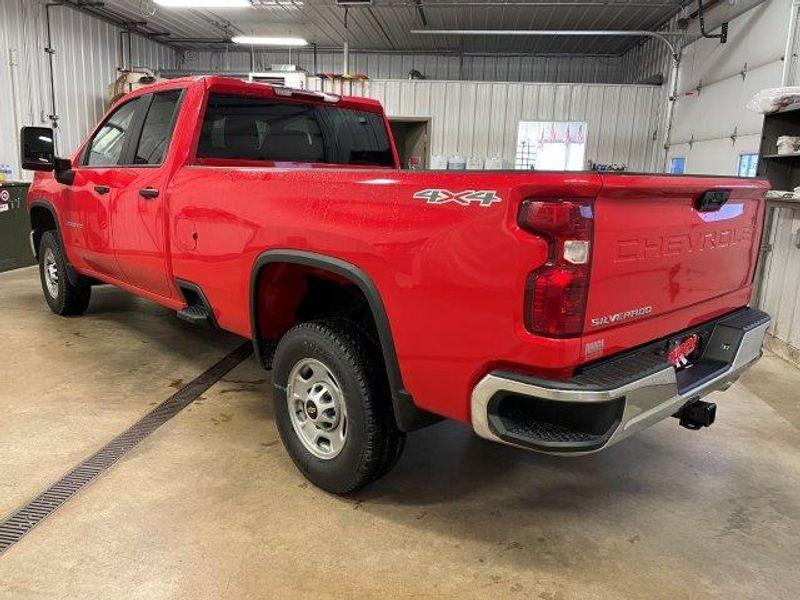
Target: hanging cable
722	36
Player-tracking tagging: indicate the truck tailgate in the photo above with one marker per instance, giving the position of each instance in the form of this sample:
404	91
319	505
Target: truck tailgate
657	250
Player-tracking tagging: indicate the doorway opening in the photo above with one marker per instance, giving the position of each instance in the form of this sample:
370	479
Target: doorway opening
412	138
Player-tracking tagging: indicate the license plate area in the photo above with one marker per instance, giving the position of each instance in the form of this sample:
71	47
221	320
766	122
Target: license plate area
682	352
717	351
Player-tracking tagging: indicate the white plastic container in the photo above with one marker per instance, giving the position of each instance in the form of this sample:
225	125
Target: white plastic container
474	163
495	163
457	163
439	162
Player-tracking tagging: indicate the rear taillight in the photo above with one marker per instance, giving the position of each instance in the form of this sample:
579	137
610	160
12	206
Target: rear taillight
555	297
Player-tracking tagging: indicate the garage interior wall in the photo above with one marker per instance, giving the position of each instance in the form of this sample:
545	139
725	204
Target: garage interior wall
382	65
480	119
712	126
85	62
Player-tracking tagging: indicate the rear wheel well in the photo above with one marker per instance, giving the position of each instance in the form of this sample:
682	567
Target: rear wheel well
288	294
42	220
291	286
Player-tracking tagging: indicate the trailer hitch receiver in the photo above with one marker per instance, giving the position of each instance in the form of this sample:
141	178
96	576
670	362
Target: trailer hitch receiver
697	414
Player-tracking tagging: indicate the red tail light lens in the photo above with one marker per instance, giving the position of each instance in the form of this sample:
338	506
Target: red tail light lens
555	298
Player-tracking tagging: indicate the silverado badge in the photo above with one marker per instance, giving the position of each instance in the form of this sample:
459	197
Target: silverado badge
484	198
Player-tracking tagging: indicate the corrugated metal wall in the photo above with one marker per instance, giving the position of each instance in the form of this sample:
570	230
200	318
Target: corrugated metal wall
21	70
85	63
555	69
481	119
644	61
780	295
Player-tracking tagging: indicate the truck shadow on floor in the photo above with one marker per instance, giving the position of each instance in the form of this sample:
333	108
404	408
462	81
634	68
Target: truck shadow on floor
556	513
157	326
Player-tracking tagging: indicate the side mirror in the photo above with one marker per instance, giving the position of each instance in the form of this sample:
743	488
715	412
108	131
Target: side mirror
38	153
37	149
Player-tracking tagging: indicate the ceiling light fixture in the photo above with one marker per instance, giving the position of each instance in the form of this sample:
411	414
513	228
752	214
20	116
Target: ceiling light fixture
204	3
268	40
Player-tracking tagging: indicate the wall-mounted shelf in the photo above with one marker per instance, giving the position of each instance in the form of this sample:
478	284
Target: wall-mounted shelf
782	170
792	155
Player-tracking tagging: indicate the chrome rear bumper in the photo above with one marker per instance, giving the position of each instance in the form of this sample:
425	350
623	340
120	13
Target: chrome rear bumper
617	398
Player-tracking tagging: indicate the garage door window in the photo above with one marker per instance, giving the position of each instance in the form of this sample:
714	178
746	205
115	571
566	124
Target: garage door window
748	165
257	129
678	165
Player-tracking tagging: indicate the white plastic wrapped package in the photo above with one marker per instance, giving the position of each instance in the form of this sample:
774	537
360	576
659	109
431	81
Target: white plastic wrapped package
788	144
773	100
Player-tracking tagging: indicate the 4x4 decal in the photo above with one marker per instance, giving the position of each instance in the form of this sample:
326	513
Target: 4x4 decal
484	198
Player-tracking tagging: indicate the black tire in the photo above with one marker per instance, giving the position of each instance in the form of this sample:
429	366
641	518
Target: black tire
68	299
373	444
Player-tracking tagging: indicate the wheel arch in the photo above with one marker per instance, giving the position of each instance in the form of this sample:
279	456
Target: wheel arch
407	415
42	214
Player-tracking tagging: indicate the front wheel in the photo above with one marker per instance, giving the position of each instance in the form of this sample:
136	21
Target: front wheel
332	406
62	297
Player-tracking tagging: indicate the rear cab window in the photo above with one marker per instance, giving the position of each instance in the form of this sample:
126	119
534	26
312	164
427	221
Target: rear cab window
274	131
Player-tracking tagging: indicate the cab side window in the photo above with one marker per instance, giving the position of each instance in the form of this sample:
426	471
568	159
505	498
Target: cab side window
105	149
157	128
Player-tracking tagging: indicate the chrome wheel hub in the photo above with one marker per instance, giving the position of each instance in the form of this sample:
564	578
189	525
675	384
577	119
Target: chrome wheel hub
51	273
317	409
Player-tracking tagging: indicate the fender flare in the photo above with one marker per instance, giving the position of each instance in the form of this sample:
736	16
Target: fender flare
74	277
49	208
407	415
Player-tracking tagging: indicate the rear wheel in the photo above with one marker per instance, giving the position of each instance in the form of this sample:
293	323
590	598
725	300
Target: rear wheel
332	407
62	297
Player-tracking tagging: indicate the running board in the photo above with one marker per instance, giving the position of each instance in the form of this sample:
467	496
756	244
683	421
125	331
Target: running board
196	314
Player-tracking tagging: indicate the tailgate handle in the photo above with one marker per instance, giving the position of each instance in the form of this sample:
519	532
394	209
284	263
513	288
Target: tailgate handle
712	200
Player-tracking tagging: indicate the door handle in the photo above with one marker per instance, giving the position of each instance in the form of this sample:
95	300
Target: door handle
102	189
148	193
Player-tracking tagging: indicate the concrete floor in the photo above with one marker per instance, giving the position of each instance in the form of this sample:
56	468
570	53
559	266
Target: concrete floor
210	506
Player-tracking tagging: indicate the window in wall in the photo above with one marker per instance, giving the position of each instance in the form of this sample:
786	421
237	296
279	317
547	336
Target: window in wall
105	149
551	146
237	127
678	165
157	128
748	165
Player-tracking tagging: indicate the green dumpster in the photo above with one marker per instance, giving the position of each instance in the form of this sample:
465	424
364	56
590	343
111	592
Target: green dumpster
15	248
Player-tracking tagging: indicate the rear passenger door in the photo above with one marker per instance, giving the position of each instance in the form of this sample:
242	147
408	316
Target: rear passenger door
139	215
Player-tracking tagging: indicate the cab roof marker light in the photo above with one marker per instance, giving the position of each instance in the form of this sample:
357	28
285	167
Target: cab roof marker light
288	92
204	3
268	40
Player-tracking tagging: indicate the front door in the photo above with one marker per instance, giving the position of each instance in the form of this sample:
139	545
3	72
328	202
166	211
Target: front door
139	218
91	197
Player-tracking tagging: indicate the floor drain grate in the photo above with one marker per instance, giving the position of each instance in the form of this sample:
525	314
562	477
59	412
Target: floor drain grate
27	517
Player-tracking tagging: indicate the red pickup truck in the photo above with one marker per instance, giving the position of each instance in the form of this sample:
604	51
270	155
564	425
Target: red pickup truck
558	312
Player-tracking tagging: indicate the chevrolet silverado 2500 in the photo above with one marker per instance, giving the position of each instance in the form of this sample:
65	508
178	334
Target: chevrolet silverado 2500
557	312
